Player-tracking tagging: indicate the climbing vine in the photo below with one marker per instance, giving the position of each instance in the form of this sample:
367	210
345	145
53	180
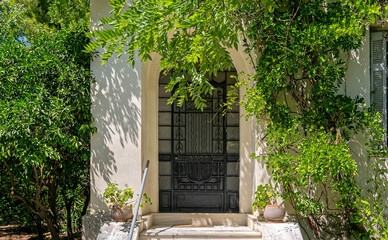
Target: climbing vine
296	49
309	121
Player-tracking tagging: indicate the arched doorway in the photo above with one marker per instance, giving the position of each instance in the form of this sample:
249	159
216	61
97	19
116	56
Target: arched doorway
199	152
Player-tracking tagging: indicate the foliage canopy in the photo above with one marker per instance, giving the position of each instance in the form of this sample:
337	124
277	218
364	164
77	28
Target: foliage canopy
45	119
52	15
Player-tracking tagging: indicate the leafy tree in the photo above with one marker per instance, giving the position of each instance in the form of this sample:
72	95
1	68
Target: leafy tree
51	15
64	13
45	120
11	20
13	211
295	87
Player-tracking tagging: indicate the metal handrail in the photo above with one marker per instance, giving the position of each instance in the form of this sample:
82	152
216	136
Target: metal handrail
138	201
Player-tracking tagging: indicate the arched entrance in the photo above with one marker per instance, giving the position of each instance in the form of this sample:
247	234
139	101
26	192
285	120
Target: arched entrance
199	152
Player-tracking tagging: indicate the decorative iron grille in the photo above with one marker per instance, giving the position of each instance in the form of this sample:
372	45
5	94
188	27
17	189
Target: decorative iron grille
199	171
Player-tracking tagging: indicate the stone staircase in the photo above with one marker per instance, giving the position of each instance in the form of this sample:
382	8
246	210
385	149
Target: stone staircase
187	226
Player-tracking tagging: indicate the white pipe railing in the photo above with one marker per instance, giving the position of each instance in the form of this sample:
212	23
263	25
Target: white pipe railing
138	201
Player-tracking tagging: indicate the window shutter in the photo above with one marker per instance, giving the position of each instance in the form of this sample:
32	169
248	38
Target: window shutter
379	74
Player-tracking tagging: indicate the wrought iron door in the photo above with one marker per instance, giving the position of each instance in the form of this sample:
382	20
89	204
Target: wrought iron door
198	172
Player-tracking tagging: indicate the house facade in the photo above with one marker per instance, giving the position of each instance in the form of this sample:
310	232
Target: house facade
199	161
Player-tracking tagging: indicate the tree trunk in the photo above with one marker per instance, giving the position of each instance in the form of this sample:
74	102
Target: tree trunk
51	223
53	229
87	199
52	199
50	214
68	203
39	227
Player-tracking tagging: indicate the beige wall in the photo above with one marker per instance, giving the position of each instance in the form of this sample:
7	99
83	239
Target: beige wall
150	77
358	72
116	108
125	109
358	83
150	83
247	137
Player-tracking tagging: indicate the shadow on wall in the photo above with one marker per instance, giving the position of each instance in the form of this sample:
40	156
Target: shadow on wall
357	81
366	169
116	112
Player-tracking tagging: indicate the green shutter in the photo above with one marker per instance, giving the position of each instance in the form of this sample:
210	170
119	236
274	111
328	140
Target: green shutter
379	74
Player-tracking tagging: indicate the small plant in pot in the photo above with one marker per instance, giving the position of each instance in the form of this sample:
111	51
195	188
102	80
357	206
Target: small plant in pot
266	199
119	200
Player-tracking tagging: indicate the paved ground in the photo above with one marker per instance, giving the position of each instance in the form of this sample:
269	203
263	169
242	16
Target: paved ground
16	232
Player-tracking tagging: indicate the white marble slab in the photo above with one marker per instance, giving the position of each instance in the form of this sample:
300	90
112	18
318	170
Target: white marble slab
117	231
280	231
214	232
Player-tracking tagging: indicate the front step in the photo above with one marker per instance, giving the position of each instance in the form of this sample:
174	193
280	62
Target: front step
187	226
188	233
222	219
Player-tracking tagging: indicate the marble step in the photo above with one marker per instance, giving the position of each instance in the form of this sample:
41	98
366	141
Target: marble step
214	219
199	232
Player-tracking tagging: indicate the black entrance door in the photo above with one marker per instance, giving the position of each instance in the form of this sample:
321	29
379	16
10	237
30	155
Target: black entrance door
198	153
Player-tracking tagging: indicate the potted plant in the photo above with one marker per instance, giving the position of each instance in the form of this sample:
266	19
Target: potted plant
266	199
119	201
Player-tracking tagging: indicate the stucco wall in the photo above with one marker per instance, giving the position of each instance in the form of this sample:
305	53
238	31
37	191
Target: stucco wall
116	108
125	109
358	71
358	82
149	79
150	83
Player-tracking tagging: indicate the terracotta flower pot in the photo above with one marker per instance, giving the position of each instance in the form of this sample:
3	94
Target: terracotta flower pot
274	213
121	214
